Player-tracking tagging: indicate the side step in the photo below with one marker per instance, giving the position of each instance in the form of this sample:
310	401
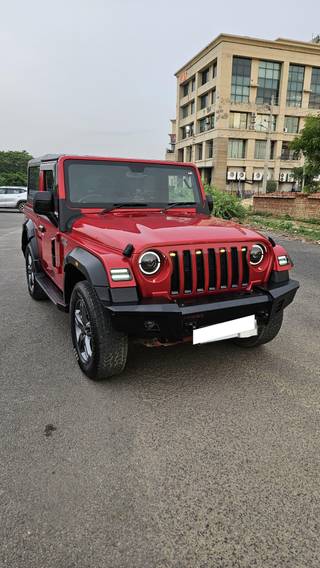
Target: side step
52	291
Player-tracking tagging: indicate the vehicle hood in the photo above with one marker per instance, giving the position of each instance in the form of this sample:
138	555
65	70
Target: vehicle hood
118	229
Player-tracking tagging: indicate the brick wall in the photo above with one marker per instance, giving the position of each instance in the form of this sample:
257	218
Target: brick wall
298	206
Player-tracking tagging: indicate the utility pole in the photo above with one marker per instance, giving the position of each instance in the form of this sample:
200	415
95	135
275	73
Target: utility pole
268	149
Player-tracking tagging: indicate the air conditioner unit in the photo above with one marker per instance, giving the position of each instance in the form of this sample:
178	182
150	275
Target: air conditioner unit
291	178
282	177
285	130
188	130
207	120
241	176
231	175
257	176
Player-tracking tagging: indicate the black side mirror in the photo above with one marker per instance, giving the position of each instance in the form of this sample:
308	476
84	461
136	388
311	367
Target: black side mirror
210	202
43	202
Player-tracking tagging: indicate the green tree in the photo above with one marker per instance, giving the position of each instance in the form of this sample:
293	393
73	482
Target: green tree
308	142
13	167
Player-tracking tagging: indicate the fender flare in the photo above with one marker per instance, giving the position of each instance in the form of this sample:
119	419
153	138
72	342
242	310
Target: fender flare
90	266
29	237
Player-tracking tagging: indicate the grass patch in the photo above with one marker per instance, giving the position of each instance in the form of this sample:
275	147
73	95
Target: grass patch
282	225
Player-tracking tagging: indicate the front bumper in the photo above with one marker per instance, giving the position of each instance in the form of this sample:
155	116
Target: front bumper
176	320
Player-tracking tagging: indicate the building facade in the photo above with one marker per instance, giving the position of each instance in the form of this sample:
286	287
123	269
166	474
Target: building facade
240	102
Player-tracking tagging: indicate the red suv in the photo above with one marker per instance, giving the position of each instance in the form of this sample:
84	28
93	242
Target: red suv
130	249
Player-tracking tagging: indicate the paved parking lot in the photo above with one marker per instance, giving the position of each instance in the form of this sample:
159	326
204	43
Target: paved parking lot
203	457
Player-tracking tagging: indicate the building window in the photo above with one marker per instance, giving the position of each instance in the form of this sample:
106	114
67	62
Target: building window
189	154
206	123
295	85
291	124
204	101
193	84
209	145
180	155
185	89
184	111
192	107
187	130
240	84
314	99
213	96
262	122
214	69
287	153
236	148
268	82
199	151
261	148
205	76
238	120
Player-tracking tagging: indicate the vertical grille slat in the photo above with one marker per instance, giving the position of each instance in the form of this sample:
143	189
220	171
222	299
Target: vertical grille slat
245	267
212	269
187	269
175	276
200	270
223	268
235	267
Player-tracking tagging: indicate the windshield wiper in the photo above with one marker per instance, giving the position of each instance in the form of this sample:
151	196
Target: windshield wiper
118	205
179	204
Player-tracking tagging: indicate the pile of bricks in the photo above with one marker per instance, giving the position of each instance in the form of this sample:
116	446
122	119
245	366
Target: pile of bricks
297	205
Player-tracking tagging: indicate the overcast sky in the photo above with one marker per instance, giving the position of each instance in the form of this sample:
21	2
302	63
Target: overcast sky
97	76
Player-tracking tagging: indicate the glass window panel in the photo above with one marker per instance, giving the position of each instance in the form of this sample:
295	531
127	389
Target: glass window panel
236	148
241	74
268	82
295	85
314	98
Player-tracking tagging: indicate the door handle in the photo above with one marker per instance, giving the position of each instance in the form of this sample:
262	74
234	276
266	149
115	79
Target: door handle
41	229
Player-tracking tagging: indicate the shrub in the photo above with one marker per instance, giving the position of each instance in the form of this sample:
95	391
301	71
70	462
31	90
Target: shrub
272	186
226	205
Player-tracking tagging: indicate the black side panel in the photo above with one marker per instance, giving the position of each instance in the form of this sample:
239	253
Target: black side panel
67	216
90	266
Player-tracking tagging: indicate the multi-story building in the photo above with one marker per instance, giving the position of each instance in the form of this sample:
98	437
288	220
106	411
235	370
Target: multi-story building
240	102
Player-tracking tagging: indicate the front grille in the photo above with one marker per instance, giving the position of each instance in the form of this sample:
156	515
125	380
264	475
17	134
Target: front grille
209	269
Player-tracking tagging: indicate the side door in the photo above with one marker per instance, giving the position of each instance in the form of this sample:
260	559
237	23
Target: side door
48	229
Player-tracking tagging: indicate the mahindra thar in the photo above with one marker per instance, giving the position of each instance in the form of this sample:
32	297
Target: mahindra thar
130	249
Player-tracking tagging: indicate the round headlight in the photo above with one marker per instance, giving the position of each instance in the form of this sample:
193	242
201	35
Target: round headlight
256	254
149	262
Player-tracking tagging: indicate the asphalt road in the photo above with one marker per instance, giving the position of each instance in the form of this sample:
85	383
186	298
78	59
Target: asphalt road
196	457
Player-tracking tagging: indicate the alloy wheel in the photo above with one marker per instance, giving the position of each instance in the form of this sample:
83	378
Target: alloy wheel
30	272
83	331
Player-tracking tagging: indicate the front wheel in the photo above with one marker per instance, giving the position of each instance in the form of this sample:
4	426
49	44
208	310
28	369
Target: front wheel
101	351
266	332
21	205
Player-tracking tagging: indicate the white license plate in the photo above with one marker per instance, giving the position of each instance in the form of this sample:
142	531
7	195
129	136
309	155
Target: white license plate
241	327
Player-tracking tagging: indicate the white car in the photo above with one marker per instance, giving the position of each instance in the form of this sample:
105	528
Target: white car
14	197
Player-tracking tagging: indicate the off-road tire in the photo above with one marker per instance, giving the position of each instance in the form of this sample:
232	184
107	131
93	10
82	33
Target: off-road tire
21	205
266	332
109	347
34	289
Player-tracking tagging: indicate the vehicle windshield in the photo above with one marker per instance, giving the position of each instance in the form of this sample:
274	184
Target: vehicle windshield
95	183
